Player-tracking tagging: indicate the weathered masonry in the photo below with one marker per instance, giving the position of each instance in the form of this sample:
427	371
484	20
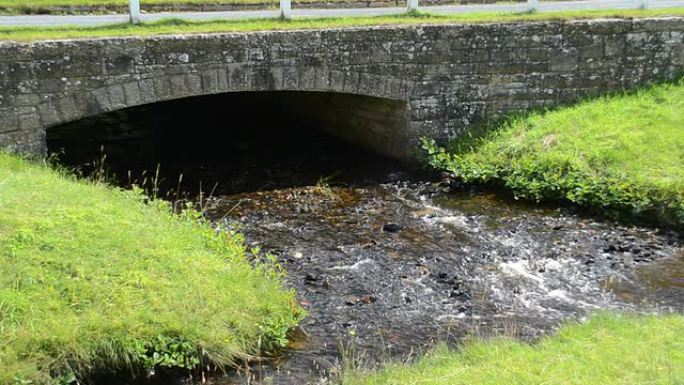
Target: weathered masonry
435	81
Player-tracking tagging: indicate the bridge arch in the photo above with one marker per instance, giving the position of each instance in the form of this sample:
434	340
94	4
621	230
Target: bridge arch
237	141
369	122
372	116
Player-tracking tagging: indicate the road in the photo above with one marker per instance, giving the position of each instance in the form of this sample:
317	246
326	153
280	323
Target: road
91	20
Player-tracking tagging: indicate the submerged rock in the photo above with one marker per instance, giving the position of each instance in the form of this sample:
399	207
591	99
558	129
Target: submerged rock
392	228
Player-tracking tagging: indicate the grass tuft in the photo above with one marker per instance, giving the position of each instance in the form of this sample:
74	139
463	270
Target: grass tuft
94	278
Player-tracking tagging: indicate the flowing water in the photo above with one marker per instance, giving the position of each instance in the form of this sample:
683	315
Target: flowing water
386	260
385	270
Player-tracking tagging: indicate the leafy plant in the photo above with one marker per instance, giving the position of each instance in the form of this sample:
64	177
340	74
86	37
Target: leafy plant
169	352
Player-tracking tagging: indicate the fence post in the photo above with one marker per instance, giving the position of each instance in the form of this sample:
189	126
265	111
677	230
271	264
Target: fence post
286	9
532	5
412	6
645	4
134	11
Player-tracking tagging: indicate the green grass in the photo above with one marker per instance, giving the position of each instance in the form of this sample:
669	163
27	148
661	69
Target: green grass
94	278
42	4
607	350
621	153
174	26
56	6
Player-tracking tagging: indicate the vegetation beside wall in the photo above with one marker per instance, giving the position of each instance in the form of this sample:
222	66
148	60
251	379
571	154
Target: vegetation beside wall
98	6
176	26
622	154
94	278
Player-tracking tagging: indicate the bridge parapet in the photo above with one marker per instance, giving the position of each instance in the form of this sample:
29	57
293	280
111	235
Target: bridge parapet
450	78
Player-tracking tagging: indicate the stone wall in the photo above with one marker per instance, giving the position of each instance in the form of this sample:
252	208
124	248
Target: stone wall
449	78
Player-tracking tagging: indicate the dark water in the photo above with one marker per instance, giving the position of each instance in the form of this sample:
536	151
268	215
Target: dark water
385	258
387	270
214	144
658	283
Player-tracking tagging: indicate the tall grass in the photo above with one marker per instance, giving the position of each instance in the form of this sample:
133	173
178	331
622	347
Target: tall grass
94	278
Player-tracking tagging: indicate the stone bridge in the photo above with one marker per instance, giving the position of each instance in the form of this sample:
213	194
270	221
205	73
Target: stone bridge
380	87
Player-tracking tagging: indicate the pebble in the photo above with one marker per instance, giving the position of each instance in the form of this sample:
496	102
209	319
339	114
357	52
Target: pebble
392	228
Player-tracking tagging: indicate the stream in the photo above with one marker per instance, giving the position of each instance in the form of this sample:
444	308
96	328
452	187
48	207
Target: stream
387	260
386	270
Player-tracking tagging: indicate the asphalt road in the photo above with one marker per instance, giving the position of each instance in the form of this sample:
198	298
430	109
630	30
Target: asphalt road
86	20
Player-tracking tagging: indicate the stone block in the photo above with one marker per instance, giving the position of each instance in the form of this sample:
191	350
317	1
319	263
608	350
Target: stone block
49	114
68	109
162	87
132	94
117	99
147	90
29	122
210	81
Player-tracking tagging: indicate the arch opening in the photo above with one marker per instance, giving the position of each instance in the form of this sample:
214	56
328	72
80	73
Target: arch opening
238	142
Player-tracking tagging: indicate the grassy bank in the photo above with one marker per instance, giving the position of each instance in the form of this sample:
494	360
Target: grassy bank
94	278
623	154
173	26
604	351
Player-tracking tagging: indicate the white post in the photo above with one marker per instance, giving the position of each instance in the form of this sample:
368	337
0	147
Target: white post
412	6
286	9
645	4
134	10
532	5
